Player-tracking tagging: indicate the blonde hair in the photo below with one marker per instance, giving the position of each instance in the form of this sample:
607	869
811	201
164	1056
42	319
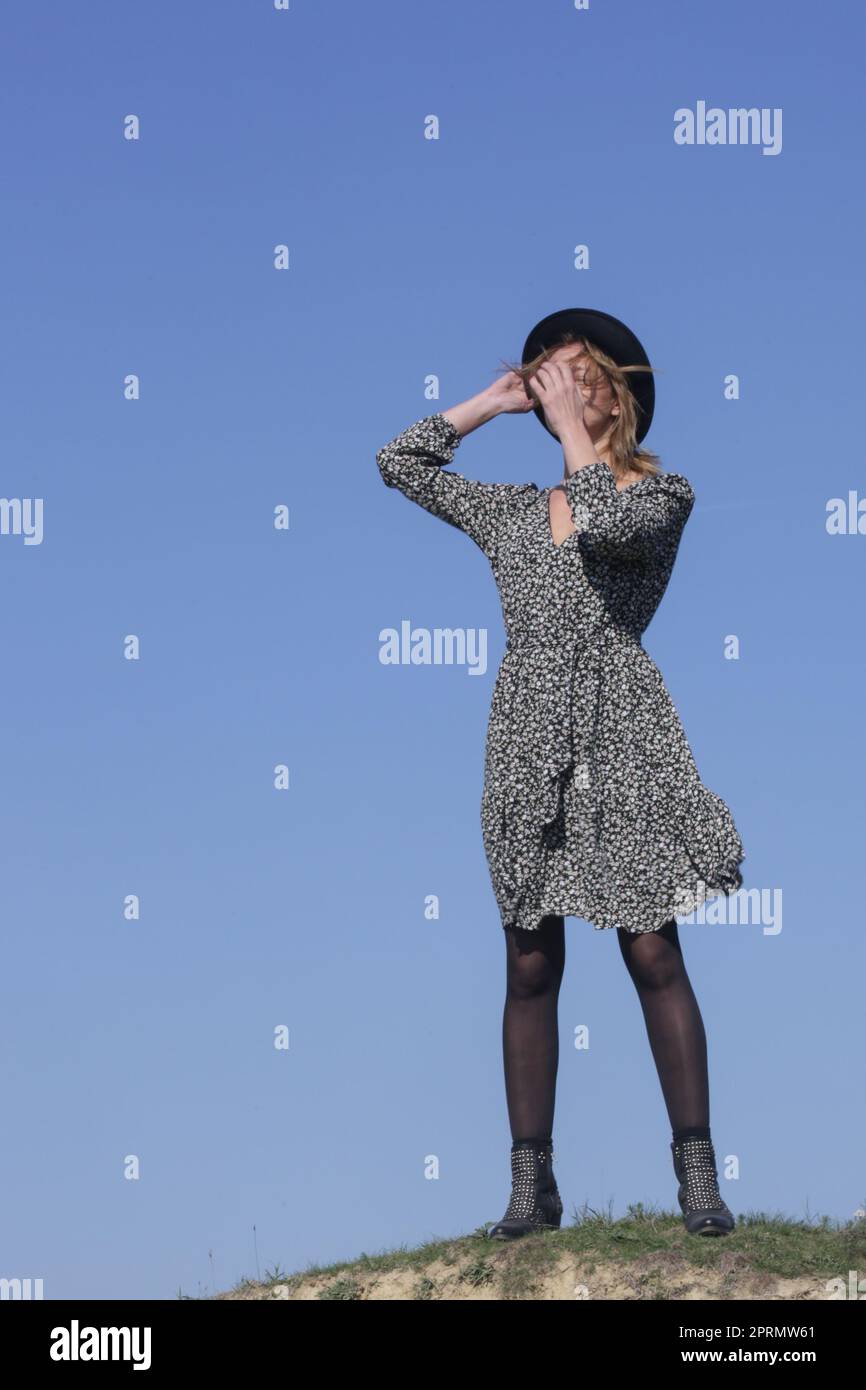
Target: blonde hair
626	455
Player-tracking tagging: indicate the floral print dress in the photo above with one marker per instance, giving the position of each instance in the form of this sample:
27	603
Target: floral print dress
592	805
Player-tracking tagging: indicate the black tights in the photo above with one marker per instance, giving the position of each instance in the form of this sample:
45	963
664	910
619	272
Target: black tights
530	1030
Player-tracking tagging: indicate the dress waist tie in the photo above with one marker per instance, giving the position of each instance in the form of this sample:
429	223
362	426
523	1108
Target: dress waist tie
565	691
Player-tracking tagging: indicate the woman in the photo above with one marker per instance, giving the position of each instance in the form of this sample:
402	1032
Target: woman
592	804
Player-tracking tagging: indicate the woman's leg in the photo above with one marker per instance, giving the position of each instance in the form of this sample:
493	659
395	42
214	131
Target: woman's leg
673	1022
530	1030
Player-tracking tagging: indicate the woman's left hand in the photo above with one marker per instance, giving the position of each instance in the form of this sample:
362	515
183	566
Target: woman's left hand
559	394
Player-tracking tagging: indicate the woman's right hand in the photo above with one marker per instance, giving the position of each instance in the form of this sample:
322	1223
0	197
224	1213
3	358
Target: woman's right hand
509	395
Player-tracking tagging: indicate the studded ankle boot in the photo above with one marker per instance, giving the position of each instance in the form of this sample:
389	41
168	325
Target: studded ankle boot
704	1211
535	1201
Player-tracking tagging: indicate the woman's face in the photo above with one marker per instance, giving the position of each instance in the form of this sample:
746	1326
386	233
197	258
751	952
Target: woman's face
600	405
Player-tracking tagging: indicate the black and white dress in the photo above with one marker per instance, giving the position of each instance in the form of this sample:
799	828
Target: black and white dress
592	805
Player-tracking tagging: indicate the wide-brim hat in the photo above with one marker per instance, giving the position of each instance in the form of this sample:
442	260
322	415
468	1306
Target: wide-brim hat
614	338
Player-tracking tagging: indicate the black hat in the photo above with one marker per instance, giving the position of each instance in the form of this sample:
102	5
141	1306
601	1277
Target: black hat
613	338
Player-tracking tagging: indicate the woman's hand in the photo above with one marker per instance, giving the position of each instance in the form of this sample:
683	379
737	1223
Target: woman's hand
509	395
561	397
503	397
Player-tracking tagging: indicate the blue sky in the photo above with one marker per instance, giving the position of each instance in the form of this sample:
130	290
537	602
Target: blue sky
409	259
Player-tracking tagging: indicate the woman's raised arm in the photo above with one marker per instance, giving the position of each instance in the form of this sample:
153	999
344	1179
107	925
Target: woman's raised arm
642	520
414	461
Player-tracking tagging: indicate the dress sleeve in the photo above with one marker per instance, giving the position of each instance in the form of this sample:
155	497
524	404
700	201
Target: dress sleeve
632	524
413	462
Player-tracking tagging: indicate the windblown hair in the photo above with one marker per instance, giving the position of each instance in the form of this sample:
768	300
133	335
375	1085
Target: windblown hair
626	455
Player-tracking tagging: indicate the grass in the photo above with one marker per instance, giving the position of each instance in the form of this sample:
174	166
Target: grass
762	1243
